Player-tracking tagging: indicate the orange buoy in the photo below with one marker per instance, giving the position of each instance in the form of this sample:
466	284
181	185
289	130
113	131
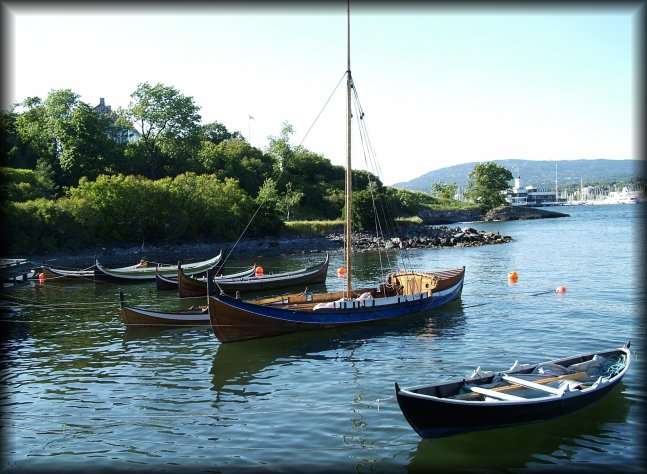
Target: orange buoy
41	277
513	276
560	289
341	272
259	271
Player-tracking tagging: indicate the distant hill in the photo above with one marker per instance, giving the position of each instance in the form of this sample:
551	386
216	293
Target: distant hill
536	173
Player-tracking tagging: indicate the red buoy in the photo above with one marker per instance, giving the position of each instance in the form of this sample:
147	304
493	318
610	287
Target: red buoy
513	276
560	289
341	272
41	277
259	271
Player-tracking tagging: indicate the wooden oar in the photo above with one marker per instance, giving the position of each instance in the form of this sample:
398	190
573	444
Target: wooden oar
506	388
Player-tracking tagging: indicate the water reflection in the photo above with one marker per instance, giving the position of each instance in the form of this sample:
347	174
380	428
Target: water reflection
239	362
142	333
545	443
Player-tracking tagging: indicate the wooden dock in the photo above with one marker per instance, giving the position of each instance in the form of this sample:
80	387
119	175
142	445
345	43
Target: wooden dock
14	271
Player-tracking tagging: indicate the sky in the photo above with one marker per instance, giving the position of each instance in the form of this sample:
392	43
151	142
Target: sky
439	84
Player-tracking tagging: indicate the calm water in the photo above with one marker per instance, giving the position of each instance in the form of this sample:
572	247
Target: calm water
82	392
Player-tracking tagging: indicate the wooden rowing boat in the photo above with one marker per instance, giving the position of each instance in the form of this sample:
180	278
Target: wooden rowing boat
144	272
53	274
189	286
253	281
523	394
133	316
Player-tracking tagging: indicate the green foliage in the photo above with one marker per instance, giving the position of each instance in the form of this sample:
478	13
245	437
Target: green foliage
444	191
314	228
212	180
216	133
289	199
235	158
487	180
39	225
267	220
412	202
168	125
21	185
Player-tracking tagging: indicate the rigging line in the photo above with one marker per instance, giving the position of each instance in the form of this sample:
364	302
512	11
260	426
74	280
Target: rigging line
371	188
322	109
374	164
283	169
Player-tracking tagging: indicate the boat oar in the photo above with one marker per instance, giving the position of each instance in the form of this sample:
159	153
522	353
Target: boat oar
507	388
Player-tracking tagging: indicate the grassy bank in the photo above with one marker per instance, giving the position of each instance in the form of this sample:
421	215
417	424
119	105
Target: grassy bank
322	228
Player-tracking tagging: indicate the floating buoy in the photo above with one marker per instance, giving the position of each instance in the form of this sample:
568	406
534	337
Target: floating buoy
341	272
41	277
560	289
513	276
259	271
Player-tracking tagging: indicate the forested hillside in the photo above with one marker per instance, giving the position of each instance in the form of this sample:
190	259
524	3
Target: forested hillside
539	173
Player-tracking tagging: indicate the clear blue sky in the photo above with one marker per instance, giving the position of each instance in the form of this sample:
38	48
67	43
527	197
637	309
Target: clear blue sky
440	85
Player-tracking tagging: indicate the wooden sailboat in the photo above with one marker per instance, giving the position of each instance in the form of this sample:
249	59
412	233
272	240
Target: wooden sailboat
401	295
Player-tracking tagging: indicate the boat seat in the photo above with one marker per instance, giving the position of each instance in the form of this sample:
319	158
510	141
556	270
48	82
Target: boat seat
498	395
527	383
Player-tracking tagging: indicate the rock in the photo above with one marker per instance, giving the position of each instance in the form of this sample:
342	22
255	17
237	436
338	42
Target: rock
508	213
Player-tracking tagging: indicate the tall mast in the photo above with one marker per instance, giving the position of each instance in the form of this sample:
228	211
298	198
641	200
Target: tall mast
349	85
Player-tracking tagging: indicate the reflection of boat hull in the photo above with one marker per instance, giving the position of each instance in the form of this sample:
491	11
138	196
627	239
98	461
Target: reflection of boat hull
445	409
132	316
236	320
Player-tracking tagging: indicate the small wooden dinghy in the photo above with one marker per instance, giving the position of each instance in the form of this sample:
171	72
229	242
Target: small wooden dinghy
523	394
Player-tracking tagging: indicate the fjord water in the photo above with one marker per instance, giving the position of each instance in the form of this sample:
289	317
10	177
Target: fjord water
80	391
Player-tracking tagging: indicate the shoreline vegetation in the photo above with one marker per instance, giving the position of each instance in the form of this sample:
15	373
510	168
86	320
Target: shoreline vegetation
431	232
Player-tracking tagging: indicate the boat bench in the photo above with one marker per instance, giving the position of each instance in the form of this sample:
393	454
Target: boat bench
517	383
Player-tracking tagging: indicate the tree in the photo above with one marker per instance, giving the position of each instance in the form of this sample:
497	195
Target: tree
486	182
280	147
290	199
168	124
87	145
444	191
63	137
217	133
34	141
235	158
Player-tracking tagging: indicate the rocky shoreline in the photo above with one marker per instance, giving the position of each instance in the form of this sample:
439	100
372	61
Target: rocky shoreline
426	235
413	237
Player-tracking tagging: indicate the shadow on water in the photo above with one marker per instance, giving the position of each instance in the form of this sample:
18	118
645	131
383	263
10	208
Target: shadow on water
542	444
239	362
